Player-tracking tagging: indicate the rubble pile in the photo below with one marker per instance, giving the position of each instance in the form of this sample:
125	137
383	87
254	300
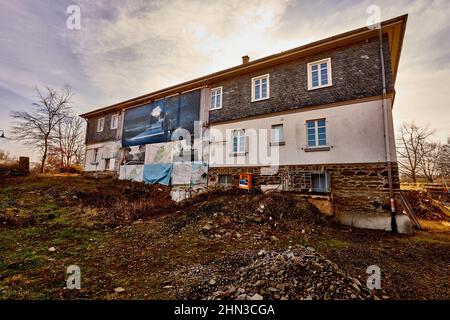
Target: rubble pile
299	273
277	210
426	206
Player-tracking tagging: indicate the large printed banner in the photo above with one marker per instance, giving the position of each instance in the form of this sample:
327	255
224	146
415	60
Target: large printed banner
155	122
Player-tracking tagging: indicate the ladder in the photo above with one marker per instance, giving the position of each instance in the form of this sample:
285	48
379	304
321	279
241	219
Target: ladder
409	211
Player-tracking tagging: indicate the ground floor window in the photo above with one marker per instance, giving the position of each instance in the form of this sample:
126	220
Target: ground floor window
225	180
320	182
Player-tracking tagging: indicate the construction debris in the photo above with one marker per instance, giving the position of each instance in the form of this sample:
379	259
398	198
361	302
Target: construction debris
425	206
298	273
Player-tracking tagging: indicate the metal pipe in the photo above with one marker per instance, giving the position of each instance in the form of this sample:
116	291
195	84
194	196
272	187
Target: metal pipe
386	127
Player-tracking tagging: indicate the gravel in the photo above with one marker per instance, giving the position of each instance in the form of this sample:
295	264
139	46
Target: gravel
299	273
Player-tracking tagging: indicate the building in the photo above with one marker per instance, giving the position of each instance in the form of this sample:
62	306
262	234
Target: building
316	119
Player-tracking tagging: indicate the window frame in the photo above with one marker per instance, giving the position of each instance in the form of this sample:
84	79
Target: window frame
326	180
102	121
240	143
254	79
329	76
316	133
282	140
95	156
215	100
226	184
115	115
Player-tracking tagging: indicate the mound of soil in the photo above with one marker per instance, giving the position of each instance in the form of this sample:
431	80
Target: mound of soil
236	206
126	201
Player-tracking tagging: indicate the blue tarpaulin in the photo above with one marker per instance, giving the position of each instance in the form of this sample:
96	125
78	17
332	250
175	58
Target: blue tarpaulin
158	173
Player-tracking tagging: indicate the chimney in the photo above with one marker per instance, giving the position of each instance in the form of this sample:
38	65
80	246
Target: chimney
245	59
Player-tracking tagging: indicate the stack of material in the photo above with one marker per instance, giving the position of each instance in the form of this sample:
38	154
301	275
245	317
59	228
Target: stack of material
299	273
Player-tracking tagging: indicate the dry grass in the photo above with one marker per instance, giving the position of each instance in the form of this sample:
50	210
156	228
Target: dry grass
152	242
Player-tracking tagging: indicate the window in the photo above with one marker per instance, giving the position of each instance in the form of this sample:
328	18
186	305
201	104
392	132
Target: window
320	182
95	156
226	180
216	98
316	130
277	134
319	74
238	141
114	121
260	88
107	162
100	124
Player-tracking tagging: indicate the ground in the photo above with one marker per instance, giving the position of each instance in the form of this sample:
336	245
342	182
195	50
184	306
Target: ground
124	235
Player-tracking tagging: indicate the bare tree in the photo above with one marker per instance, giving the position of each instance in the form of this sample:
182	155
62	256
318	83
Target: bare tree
444	161
430	161
410	148
70	139
37	126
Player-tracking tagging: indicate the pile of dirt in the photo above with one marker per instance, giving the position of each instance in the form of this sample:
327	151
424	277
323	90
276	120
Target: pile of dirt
234	206
123	201
299	273
425	206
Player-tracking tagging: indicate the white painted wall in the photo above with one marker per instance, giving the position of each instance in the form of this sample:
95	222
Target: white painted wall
105	150
355	134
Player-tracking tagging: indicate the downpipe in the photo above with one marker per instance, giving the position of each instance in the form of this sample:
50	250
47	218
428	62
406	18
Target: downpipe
386	136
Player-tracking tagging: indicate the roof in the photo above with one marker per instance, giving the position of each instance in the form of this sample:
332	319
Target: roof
394	28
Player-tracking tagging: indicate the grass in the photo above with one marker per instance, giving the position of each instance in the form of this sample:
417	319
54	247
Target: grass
146	255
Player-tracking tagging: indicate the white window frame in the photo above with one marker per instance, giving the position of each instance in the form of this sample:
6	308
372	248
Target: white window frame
214	105
100	124
240	148
329	77
264	76
226	182
316	133
114	123
273	133
95	152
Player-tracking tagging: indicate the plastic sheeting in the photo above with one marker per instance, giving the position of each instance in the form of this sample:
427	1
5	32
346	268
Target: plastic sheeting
181	173
199	173
189	173
158	173
159	153
132	172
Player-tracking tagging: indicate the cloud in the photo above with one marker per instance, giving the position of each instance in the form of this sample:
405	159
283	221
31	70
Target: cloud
147	48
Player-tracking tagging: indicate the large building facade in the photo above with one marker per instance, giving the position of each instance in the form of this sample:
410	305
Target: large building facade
316	119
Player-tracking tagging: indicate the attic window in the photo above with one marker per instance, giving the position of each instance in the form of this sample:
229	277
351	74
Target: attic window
319	74
260	88
216	98
100	124
114	121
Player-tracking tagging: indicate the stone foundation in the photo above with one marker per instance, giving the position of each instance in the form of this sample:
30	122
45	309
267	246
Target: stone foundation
356	189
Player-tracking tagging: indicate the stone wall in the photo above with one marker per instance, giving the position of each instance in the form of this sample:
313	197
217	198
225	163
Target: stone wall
355	71
108	134
355	188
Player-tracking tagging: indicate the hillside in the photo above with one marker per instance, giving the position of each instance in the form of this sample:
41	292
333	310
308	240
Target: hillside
132	242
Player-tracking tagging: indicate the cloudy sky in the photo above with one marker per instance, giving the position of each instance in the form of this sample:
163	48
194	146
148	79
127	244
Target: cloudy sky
129	48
